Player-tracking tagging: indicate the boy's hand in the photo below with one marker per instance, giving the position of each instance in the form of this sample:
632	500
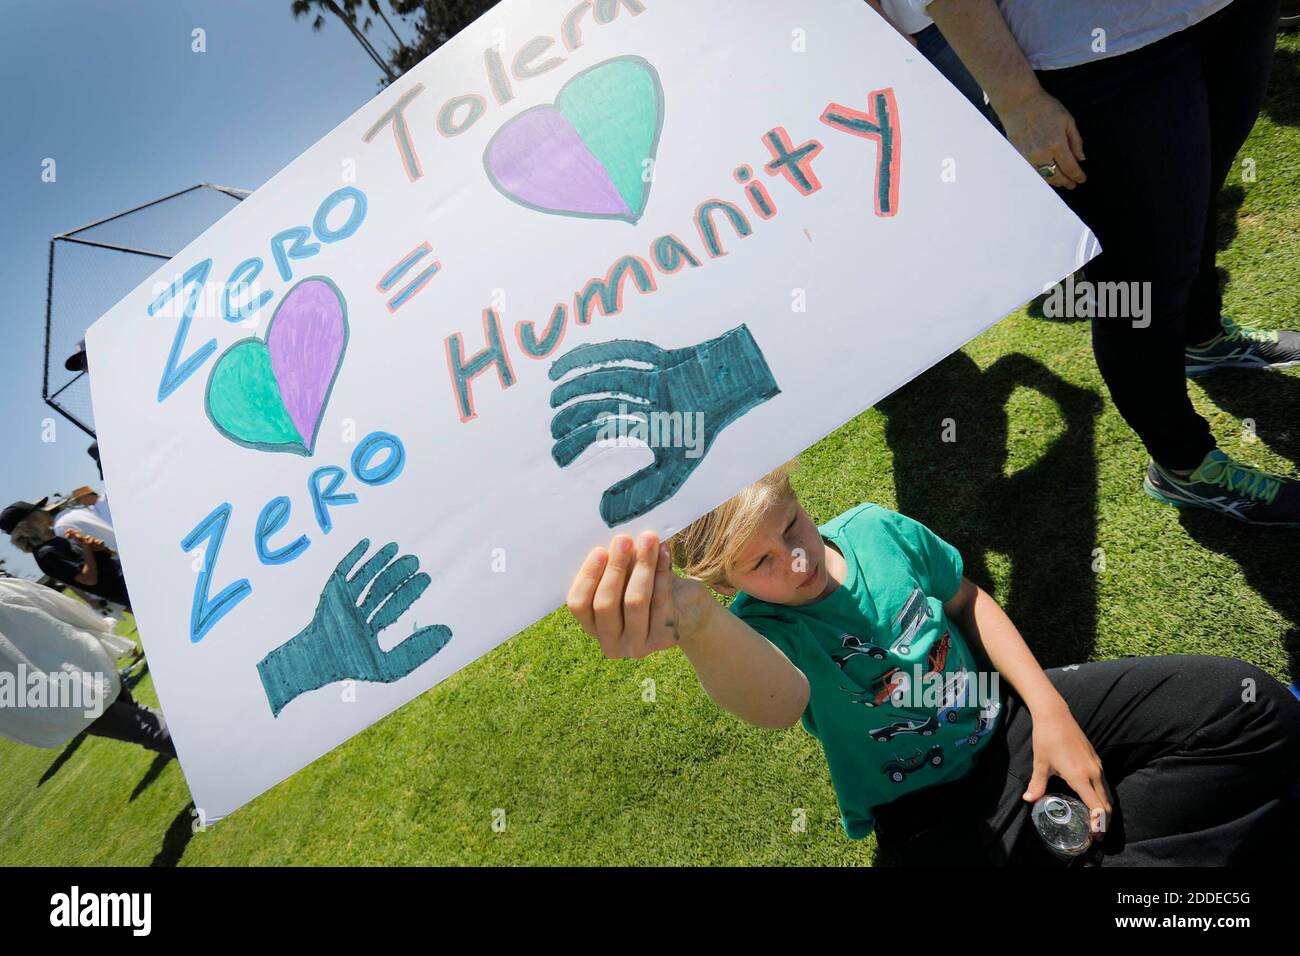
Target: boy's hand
629	599
1062	750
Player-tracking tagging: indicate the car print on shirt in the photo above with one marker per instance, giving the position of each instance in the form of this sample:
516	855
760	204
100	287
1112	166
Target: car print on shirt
915	612
956	695
891	682
852	647
938	655
983	724
899	768
926	728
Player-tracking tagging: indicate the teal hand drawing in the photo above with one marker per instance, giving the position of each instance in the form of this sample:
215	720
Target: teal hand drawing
342	640
716	381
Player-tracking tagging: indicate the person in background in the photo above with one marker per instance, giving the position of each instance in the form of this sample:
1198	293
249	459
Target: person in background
79	560
921	32
86	512
1161	95
49	635
76	362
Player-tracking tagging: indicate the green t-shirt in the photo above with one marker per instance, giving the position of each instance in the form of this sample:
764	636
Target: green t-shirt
898	699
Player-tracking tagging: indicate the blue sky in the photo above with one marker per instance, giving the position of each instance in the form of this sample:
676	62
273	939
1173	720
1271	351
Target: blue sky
113	92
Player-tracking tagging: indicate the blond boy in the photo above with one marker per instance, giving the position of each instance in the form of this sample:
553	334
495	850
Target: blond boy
938	725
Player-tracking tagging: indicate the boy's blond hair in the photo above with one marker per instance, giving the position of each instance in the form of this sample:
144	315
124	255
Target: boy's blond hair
705	548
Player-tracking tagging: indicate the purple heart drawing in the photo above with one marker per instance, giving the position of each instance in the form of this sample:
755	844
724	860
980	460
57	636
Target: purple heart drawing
271	395
587	155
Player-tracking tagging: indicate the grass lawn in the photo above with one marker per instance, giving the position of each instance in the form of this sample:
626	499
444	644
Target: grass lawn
1040	491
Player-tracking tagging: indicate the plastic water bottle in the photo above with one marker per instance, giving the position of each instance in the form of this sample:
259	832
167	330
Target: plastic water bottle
1063	825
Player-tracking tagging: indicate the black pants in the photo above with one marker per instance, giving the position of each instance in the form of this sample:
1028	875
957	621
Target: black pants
1161	128
133	723
1202	755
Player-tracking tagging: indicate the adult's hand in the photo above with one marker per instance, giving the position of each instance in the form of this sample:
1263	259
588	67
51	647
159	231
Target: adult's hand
1036	123
1044	132
91	543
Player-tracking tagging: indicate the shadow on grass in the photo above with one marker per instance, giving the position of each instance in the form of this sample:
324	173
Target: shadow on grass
1042	518
1269	558
1035	308
179	832
177	838
62	758
153	773
1227	206
1269	399
1282	102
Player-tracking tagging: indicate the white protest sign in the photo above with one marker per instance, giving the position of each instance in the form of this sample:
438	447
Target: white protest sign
731	226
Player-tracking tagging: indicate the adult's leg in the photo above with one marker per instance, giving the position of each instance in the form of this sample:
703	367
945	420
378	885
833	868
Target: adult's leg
1236	49
1144	121
134	724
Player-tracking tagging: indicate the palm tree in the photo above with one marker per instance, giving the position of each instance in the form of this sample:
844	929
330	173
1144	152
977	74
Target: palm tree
435	22
346	11
377	10
431	23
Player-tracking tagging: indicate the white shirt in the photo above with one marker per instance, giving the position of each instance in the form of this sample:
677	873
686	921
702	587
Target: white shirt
1055	34
904	16
45	633
93	521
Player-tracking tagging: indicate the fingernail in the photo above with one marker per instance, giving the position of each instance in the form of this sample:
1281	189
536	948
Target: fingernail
624	544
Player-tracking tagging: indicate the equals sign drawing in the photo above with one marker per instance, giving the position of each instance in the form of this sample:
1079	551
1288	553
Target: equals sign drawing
397	272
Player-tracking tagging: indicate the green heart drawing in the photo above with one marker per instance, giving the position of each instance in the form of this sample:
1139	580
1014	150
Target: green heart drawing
271	395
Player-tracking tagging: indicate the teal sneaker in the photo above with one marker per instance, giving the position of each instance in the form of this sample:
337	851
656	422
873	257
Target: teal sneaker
1223	485
1240	346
